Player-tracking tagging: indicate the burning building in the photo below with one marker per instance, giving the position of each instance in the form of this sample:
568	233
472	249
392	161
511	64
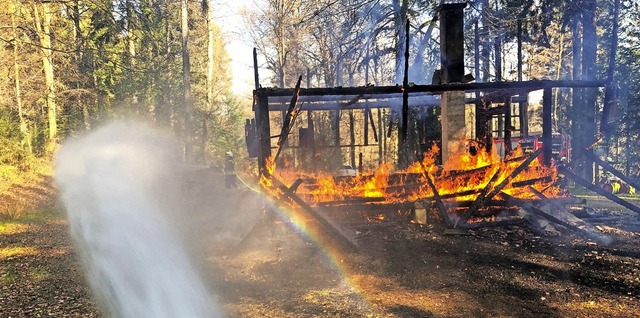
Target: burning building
416	144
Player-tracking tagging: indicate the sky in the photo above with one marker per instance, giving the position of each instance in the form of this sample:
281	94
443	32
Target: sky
240	51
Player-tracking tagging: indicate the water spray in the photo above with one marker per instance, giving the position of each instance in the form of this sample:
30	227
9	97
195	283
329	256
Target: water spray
120	185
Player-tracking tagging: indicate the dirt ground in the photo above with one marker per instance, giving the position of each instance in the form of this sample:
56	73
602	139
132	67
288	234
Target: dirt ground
400	269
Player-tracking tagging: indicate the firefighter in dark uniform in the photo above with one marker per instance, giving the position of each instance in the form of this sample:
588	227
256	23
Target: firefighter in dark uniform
229	172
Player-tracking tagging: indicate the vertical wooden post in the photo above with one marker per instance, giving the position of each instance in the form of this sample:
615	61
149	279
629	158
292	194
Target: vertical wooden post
507	126
367	112
336	127
497	46
264	132
403	145
382	137
352	138
546	125
256	78
480	120
522	101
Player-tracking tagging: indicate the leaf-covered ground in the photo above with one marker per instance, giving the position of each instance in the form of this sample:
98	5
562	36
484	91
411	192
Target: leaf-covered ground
400	269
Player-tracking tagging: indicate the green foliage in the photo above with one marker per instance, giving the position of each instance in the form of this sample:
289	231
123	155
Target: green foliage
111	59
12	151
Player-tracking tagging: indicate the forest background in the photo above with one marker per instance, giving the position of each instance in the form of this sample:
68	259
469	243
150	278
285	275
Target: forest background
67	66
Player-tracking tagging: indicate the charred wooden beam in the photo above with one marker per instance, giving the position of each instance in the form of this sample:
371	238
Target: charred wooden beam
547	144
352	201
295	185
482	198
487	86
373	126
487	204
263	127
609	168
286	191
514	173
531	182
539	212
291	115
405	99
598	190
441	209
508	128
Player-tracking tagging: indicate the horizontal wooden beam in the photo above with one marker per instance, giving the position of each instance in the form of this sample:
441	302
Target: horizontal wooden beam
484	87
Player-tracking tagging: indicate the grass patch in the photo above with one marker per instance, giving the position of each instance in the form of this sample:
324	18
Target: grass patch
9	276
16	251
39	274
25	189
600	306
9	228
21	224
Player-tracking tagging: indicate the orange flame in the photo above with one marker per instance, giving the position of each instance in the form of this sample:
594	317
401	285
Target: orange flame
410	184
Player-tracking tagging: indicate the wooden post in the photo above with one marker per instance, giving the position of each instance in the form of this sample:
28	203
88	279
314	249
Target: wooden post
546	125
480	117
522	103
507	127
264	132
367	111
403	145
256	78
497	46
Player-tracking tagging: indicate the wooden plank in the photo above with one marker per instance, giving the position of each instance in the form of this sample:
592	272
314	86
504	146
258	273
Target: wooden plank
481	198
443	212
530	182
539	212
598	190
313	213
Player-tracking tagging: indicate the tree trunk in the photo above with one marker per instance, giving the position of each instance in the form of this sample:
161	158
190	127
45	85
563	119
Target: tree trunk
131	45
77	40
576	102
400	19
186	77
557	91
26	141
43	28
210	59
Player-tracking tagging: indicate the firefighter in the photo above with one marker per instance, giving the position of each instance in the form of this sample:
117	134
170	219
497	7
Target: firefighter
562	179
229	172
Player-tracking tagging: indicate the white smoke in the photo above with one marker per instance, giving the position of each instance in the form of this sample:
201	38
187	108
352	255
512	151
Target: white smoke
119	185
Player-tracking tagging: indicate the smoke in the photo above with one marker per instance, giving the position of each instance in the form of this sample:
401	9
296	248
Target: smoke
121	188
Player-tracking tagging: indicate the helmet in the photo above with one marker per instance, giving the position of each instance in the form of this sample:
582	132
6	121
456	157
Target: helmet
229	154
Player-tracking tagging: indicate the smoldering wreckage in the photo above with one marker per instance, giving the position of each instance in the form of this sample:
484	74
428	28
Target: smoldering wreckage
500	179
505	173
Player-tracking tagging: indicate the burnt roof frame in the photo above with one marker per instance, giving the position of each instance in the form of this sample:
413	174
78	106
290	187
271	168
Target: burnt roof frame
262	108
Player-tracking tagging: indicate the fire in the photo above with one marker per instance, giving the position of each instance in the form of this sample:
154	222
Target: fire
410	184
